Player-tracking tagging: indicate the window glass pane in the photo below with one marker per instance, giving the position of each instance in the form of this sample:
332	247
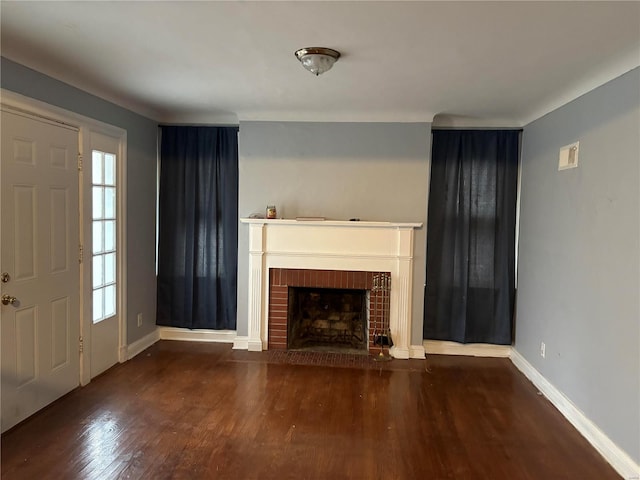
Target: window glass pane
110	202
109	169
110	268
97	207
98	275
97	237
110	301
110	235
96	166
104	206
97	305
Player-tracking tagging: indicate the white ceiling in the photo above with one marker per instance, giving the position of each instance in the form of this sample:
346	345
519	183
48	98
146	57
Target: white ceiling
505	63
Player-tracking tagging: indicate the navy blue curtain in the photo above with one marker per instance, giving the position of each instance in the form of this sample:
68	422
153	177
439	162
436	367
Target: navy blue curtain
198	227
471	224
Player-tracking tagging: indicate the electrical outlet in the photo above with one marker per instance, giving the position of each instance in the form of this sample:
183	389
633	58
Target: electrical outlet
139	319
542	349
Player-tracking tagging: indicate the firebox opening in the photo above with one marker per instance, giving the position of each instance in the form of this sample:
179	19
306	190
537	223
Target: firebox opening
327	319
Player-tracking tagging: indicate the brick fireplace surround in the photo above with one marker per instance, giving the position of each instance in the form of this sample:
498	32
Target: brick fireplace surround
328	253
280	279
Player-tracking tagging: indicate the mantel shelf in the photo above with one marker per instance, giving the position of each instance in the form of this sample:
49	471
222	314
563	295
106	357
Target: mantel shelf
330	223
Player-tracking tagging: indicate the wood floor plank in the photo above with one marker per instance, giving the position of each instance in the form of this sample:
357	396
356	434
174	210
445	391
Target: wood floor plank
203	411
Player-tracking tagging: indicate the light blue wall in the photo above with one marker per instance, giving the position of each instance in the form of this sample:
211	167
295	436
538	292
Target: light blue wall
371	171
141	180
579	256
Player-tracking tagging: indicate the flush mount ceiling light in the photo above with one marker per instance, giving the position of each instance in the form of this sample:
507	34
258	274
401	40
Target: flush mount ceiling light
317	59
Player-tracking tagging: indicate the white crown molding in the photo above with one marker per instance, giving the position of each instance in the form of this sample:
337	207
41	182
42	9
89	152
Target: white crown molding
332	116
446	121
212	117
613	454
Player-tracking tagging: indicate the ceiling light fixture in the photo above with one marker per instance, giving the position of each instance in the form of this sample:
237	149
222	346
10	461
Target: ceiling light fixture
317	59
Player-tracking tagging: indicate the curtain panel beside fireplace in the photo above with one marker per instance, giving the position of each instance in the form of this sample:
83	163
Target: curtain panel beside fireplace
471	236
198	227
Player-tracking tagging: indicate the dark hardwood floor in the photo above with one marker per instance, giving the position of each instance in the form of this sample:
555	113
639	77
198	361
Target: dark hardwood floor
202	411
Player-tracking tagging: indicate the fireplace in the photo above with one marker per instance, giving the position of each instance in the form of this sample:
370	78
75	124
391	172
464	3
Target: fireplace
328	286
334	255
327	319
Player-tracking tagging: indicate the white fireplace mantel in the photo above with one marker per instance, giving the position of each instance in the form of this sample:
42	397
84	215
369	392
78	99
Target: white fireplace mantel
332	245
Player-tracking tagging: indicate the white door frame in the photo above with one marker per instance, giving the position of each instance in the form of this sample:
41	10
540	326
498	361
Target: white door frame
85	126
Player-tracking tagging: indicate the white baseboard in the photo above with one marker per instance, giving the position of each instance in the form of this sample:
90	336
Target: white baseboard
219	336
613	454
258	345
399	353
123	353
142	344
441	347
417	351
241	343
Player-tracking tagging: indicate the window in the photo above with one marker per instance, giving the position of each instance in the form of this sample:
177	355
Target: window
104	235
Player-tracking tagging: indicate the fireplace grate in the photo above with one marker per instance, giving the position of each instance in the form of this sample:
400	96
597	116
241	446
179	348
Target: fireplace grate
327	317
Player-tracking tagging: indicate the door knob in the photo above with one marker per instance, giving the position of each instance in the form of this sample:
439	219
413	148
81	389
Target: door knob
8	299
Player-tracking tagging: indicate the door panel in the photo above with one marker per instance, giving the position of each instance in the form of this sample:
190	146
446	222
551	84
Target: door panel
39	250
60	242
105	275
61	323
24	201
25	342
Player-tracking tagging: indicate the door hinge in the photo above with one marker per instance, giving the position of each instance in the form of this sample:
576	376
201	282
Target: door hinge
80	344
80	162
80	253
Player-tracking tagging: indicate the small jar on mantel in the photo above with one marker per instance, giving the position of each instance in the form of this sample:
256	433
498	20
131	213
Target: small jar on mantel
271	212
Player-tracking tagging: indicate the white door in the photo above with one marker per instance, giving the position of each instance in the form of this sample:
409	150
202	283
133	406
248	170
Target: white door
104	252
40	271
